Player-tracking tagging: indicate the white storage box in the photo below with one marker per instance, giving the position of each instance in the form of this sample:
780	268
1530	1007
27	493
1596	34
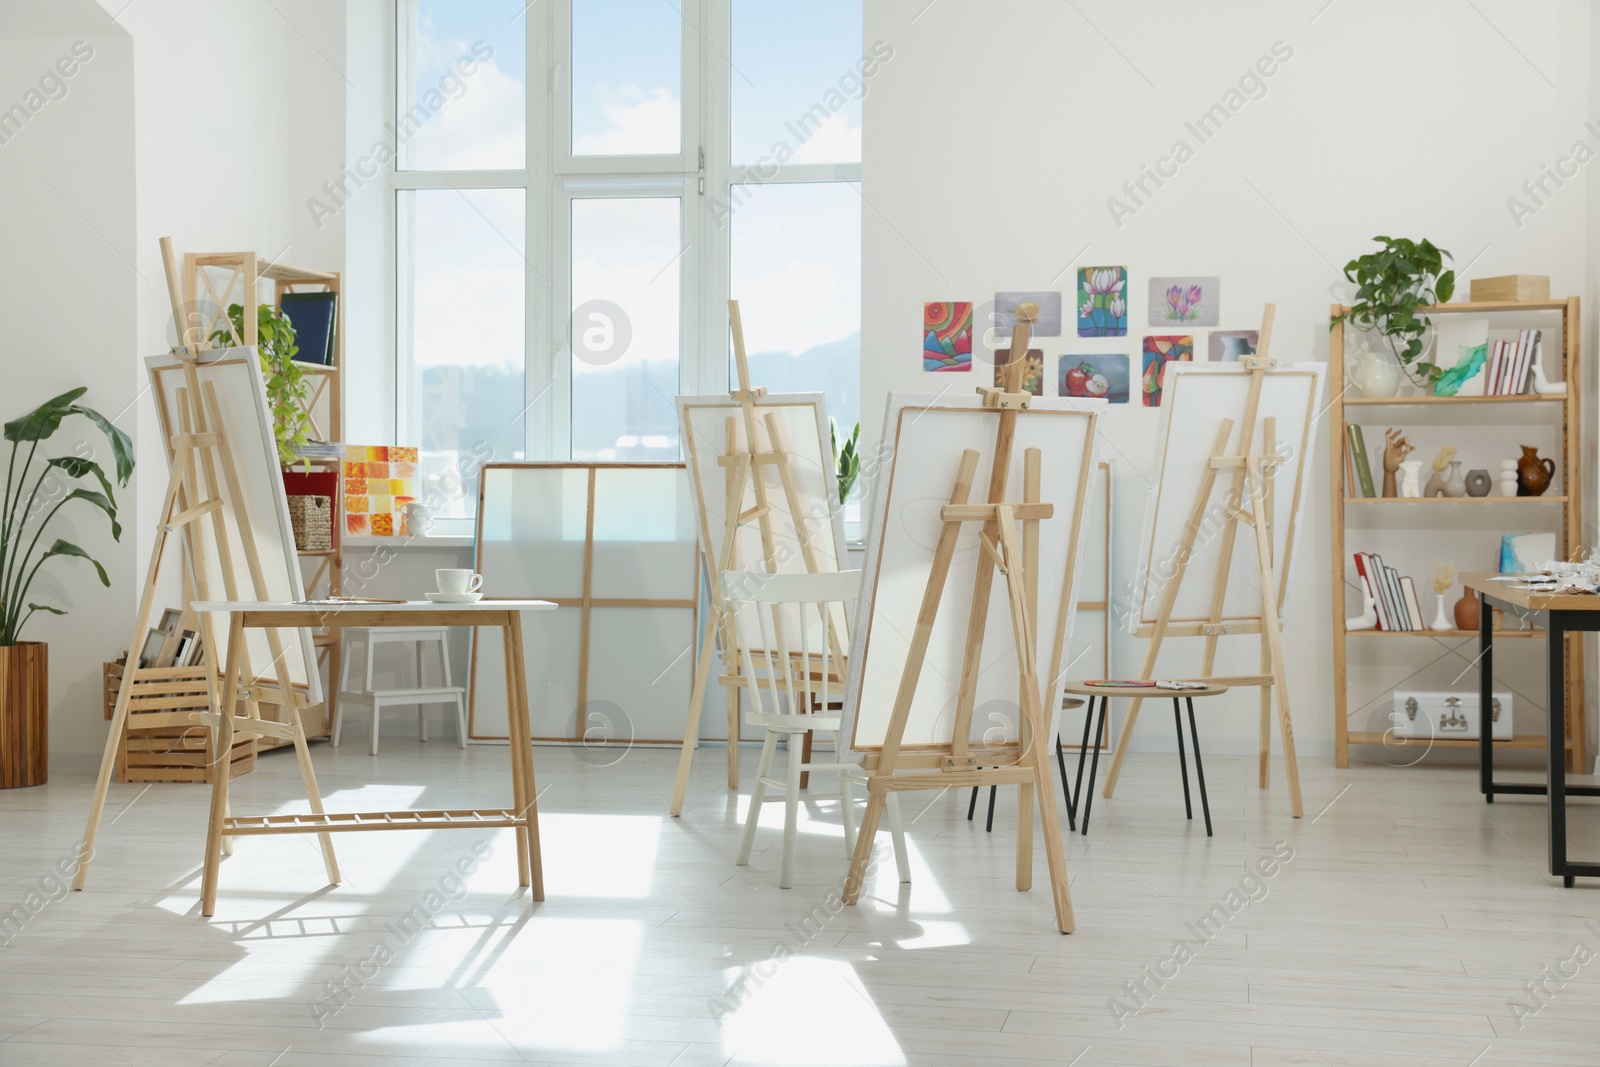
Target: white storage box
1443	715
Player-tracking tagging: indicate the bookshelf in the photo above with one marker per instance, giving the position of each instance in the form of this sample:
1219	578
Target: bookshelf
1557	414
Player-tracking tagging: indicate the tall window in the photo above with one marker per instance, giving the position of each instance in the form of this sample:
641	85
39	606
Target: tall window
578	188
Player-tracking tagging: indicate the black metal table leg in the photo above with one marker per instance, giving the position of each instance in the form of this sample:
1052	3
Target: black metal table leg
1485	699
989	824
1556	699
1199	771
972	805
1083	749
1183	767
1066	788
1094	766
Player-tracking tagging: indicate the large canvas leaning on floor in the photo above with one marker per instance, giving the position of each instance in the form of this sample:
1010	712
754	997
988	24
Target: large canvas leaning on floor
613	545
1198	397
927	436
235	377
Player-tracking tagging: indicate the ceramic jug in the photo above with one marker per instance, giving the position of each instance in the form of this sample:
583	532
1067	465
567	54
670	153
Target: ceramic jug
1372	375
1534	472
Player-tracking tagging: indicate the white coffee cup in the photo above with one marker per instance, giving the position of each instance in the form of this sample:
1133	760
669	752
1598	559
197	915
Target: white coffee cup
458	580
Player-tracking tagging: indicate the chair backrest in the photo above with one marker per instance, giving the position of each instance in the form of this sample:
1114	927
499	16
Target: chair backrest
793	657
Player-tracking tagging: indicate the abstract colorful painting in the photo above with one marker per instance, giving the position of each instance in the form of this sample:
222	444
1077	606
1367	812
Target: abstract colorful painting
1047	320
1228	345
1185	301
947	335
1032	373
379	481
1158	352
1105	377
1103	302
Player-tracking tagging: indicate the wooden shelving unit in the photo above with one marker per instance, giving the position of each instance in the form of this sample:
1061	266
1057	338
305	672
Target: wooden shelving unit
1564	414
245	272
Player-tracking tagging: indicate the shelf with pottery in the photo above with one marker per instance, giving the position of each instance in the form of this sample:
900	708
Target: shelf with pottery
1550	409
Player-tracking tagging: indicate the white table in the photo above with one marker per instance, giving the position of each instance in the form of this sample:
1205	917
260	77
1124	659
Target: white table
522	816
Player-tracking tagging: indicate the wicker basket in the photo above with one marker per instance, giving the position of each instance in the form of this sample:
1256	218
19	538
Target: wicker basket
312	520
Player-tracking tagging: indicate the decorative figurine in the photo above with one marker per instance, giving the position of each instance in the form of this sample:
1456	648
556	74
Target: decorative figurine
1411	478
1508	477
1479	483
1440	484
1544	386
1396	448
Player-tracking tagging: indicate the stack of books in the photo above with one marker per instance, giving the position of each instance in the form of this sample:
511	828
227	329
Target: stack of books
321	450
1357	466
1509	363
1393	596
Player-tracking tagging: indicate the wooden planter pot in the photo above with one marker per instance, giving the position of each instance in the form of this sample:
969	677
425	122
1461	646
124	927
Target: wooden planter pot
24	714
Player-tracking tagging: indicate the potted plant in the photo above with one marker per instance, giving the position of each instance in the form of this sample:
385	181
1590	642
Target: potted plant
287	388
25	514
1391	284
847	462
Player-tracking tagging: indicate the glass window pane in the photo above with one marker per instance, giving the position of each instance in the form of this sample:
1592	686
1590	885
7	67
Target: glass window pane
463	75
626	258
798	79
796	272
462	294
627	78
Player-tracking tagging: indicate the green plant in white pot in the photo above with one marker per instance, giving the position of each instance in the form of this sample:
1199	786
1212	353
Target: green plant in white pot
36	490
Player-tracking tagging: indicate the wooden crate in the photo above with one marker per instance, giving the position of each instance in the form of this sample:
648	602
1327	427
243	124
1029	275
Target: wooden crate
161	744
1511	288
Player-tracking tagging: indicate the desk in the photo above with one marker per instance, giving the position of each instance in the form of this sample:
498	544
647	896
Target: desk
522	816
1564	613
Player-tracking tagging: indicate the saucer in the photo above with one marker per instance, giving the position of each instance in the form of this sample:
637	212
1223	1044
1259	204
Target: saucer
455	598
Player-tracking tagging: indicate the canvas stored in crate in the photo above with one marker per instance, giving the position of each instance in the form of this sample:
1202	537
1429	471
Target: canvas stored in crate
1443	715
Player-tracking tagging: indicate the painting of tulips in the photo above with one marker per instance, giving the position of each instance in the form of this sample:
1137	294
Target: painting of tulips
947	335
1102	301
1158	352
1185	301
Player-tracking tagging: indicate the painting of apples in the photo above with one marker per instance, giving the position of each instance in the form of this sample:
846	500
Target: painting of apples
1094	377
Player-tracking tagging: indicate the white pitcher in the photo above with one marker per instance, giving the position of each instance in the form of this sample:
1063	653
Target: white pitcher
1372	374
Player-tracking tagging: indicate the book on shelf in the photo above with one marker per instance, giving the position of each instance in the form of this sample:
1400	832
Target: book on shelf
1413	606
1358	457
1511	361
1369	574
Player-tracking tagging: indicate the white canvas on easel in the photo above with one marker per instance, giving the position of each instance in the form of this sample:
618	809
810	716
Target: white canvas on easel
1217	548
234	374
930	434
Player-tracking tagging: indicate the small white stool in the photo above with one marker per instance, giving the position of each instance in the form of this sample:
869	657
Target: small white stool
421	694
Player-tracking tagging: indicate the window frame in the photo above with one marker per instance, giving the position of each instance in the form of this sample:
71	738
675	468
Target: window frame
702	170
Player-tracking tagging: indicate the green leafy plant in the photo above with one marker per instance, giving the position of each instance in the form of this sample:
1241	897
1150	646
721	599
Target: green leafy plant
287	388
28	512
1391	284
846	461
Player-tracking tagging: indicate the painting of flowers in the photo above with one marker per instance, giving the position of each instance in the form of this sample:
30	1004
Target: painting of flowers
1102	301
1158	352
1032	370
1046	315
1103	377
1185	301
947	335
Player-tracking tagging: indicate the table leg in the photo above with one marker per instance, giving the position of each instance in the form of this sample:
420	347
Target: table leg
1556	699
519	771
1199	768
535	859
226	692
1485	699
1083	752
1094	764
1183	767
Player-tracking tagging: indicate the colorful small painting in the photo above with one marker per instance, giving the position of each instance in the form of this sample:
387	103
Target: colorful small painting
1046	321
947	335
1185	301
1104	377
1032	373
1103	302
379	481
1158	352
1227	346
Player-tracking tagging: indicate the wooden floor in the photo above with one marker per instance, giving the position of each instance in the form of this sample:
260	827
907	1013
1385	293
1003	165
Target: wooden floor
1409	921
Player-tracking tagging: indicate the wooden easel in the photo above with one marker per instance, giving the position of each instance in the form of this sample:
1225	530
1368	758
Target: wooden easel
743	466
201	465
1253	475
1024	763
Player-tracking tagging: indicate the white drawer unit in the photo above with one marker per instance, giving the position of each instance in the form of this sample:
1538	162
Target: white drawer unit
1447	715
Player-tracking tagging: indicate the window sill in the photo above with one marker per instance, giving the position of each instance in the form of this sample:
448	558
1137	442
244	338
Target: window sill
404	544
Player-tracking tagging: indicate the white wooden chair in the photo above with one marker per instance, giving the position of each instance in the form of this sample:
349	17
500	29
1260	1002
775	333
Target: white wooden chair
796	681
444	691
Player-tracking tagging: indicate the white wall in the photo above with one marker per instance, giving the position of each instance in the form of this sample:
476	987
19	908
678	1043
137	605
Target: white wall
993	141
67	293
